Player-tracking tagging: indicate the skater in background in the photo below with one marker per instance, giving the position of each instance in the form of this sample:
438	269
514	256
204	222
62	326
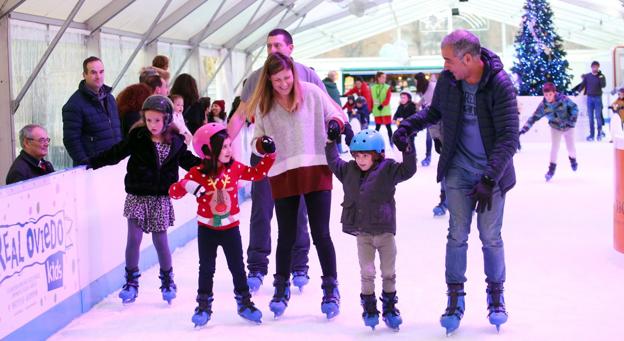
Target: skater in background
476	163
216	113
297	115
593	82
405	109
156	151
362	112
618	105
435	130
424	88
373	222
382	93
361	89
562	114
349	106
215	184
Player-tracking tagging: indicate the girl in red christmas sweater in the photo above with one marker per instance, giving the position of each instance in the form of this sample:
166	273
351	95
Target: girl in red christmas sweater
214	183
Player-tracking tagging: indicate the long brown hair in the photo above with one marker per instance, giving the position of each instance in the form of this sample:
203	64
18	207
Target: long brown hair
263	97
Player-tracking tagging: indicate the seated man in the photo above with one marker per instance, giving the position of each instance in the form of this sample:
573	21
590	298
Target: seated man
30	163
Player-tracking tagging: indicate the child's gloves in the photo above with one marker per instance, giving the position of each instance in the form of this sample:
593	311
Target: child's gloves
194	188
267	144
333	130
401	139
348	132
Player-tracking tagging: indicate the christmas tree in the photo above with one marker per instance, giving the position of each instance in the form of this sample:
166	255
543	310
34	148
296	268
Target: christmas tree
540	57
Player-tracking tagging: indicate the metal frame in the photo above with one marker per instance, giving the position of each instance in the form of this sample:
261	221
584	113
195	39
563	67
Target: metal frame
107	13
256	24
9	6
172	19
15	103
7	138
195	45
222	20
288	21
141	43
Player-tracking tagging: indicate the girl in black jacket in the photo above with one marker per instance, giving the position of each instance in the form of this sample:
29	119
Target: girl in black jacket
156	151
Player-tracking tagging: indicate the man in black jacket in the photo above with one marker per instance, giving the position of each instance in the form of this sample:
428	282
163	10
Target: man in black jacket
593	83
90	117
476	102
30	163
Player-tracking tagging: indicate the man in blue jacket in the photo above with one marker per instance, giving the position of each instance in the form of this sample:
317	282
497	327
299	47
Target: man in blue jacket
90	117
476	102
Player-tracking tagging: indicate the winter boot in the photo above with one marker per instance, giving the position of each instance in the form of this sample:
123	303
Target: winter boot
454	308
370	314
281	296
391	315
203	312
167	287
254	281
573	163
441	208
300	279
426	161
551	171
330	305
246	308
496	304
130	290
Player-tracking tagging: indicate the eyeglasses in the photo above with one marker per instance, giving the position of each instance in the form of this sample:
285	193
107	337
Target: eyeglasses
41	140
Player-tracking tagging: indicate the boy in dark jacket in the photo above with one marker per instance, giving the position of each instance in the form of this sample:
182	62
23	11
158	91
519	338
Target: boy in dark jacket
369	213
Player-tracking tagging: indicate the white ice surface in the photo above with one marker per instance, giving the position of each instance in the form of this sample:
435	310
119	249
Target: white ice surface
564	279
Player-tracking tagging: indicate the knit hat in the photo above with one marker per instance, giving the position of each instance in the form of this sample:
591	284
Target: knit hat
220	103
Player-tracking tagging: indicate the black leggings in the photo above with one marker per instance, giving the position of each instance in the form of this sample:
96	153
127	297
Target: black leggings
318	205
389	127
230	240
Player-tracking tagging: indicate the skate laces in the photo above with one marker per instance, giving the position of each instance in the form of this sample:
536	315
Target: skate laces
166	280
370	304
131	279
330	294
496	303
388	304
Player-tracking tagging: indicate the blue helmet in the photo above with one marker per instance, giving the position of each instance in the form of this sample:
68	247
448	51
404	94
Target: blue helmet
368	140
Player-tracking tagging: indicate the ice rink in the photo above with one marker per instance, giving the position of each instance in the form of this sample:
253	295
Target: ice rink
564	279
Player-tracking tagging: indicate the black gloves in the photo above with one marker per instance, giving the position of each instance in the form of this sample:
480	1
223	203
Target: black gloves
401	138
333	130
380	107
437	144
268	144
348	132
482	194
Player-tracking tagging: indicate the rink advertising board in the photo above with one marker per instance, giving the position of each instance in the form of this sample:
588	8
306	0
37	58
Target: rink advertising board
38	254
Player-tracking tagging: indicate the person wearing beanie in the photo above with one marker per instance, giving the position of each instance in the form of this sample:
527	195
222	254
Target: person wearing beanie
217	112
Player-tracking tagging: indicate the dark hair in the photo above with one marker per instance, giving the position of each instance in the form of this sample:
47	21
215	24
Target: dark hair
161	62
280	31
549	87
131	98
358	78
153	82
167	135
377	157
185	86
379	73
210	164
422	83
595	62
351	98
87	61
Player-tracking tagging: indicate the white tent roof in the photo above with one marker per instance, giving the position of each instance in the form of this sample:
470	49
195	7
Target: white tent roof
319	26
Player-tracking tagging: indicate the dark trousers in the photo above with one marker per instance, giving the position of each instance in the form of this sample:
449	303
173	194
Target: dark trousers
428	144
230	240
389	128
260	229
318	206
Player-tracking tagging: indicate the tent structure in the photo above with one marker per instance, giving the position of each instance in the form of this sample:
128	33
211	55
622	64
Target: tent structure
232	32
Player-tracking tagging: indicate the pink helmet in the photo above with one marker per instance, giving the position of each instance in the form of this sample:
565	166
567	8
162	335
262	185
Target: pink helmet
202	137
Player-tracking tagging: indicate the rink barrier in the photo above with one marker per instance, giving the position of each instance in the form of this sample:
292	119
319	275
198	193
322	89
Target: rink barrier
62	247
618	202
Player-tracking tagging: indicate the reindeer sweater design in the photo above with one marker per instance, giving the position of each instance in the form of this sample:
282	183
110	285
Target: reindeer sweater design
218	206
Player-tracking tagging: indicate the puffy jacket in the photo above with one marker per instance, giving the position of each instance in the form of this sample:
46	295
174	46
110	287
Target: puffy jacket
88	126
497	114
369	204
562	113
144	176
332	90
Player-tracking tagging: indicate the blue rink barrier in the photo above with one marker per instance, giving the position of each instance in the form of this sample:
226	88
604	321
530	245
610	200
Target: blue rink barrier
62	247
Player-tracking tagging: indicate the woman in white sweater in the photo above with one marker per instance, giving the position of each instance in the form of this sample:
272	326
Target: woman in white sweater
298	115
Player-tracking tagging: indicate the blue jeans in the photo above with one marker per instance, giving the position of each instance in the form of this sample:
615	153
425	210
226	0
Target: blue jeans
459	182
260	229
594	111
